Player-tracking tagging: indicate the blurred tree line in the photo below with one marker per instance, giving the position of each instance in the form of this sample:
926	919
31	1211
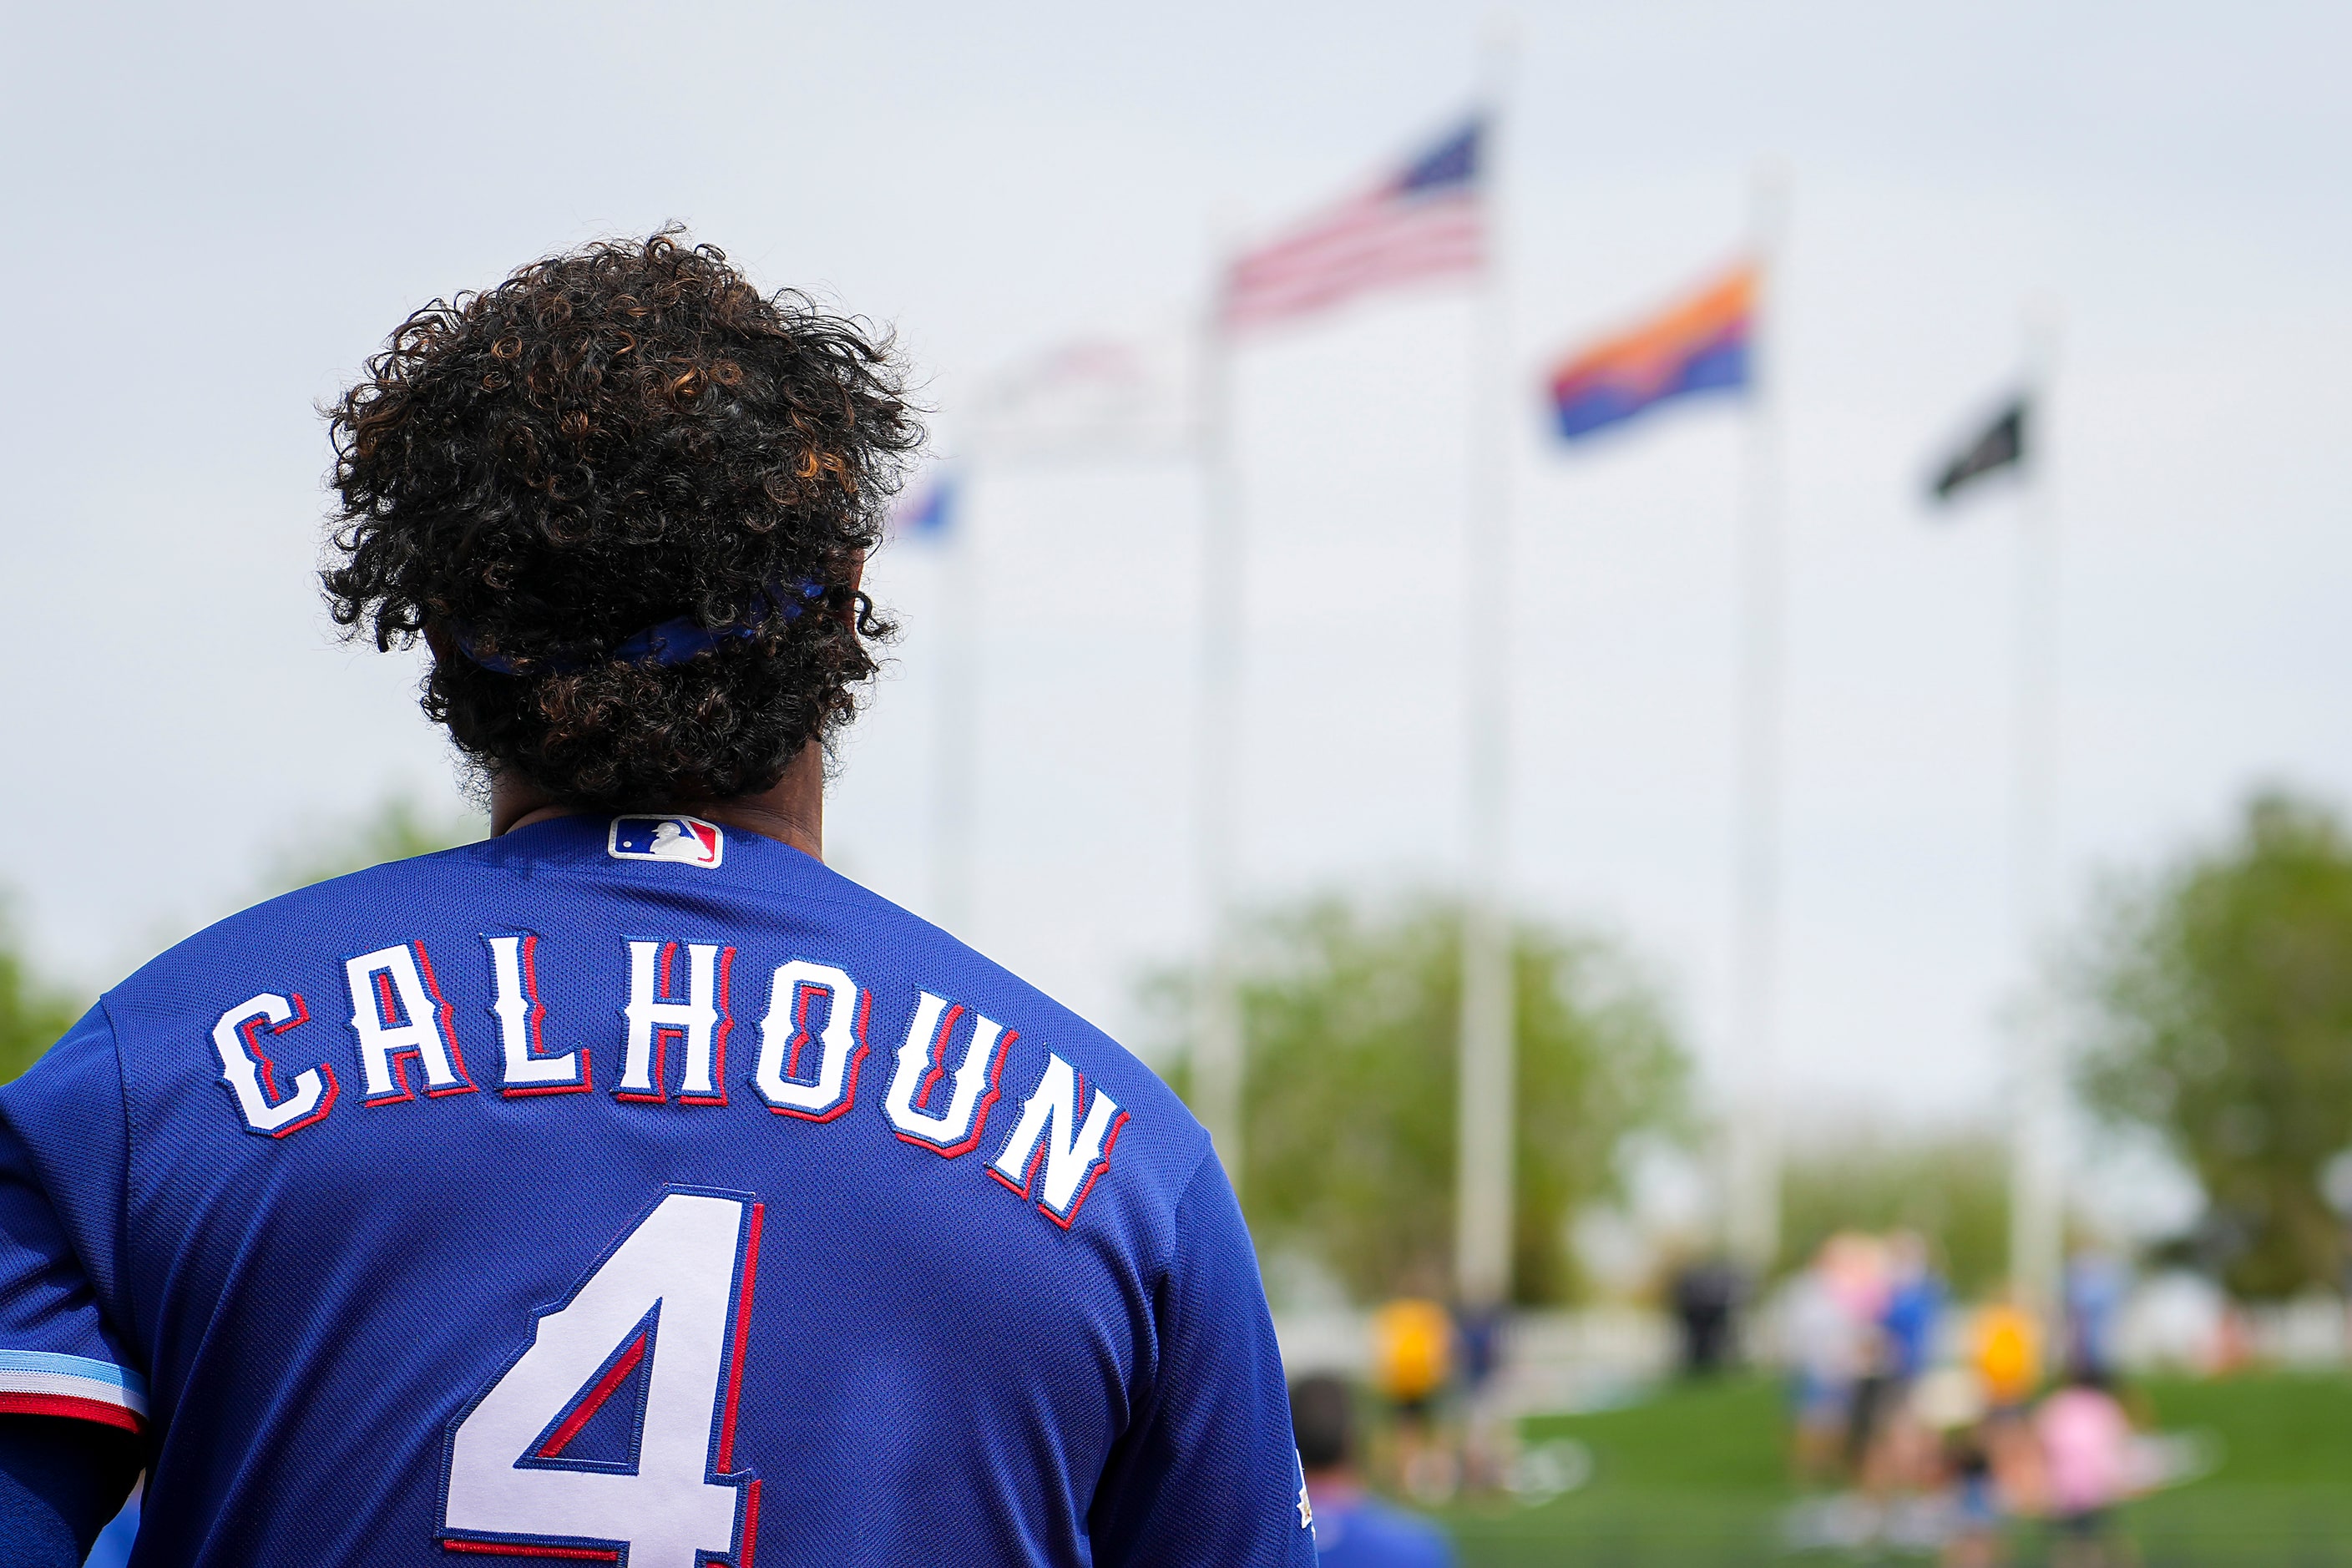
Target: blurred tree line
35	1011
1351	1017
2220	1007
1951	1188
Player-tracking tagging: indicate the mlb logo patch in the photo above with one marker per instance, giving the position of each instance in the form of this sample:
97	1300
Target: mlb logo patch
689	839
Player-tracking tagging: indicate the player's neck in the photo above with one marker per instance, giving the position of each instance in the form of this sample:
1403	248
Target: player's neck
791	811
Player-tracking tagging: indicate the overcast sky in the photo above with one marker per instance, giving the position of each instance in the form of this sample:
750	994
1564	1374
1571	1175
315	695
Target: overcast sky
216	213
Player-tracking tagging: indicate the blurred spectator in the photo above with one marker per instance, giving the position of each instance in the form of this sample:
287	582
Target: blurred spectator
2096	1287
1707	1294
1825	1349
1894	1448
1915	1305
1975	1541
2086	1449
1352	1528
1413	1361
1413	1353
1489	1435
2005	1348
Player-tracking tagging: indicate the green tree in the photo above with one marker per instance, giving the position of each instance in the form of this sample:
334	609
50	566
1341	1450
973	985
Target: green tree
1352	1019
1952	1188
2220	996
32	1013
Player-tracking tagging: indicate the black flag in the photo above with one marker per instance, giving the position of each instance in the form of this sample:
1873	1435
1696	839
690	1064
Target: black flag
2001	444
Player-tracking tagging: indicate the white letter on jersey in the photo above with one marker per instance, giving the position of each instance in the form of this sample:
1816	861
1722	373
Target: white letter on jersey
671	1292
398	1013
1072	1163
784	1034
514	976
249	1073
922	1062
654	1021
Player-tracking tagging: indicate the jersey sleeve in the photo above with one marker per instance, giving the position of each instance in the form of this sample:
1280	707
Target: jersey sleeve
64	1147
1208	1472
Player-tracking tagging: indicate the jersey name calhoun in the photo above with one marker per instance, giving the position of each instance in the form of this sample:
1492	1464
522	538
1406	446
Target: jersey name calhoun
675	1018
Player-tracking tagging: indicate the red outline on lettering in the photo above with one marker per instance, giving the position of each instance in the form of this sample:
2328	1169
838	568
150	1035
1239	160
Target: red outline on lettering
443	1016
970	1140
524	1549
244	1029
751	1522
584	1061
801	989
586	1411
717	1040
389	1015
659	1075
1101	1164
1028	1176
739	1340
72	1407
1081	1107
922	1100
247	1030
658	1044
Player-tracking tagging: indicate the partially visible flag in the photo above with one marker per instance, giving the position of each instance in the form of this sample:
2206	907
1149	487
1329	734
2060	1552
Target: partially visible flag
929	513
1700	343
1088	397
1425	221
2000	445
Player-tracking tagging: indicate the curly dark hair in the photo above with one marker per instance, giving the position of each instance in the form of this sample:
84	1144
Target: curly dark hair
612	439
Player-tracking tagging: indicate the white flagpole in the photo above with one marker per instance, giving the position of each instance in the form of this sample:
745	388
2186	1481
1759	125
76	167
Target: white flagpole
2037	1197
1752	1195
956	732
1486	1146
1218	1045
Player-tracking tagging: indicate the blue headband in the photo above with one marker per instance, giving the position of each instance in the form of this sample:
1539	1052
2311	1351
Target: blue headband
673	641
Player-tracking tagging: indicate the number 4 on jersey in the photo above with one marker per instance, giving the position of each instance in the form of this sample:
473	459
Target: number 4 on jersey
612	1436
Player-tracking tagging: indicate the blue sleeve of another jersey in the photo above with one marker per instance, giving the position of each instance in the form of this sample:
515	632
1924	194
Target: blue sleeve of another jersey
1207	1472
64	1149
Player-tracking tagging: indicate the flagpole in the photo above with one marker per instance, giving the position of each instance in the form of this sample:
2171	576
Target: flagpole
1218	1065
2037	1195
1752	1195
1486	1146
956	730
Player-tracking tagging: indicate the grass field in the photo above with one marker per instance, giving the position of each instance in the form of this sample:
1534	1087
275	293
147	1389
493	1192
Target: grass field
1695	1476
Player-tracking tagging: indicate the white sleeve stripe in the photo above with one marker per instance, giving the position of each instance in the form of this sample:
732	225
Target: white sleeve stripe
72	1366
68	1387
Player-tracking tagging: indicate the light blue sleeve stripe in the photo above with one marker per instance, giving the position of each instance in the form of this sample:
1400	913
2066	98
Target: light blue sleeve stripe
104	1372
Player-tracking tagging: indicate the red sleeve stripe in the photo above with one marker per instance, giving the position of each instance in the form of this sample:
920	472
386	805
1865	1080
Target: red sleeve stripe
66	1404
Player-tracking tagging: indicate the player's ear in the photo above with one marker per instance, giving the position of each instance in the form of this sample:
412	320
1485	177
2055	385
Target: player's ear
857	584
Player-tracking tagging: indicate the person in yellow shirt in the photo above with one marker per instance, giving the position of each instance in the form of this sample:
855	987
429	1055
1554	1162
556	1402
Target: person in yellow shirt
2005	1348
1413	1353
1412	1362
2005	1353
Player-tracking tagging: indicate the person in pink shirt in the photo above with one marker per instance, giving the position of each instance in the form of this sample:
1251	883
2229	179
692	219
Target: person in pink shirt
2086	1456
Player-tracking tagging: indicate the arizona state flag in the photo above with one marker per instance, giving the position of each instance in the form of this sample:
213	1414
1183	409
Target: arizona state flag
2000	445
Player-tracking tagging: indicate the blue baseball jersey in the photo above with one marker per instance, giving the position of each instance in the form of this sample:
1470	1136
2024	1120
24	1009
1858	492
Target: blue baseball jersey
632	1190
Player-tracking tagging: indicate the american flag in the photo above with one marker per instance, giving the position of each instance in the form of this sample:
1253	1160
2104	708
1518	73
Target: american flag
1425	222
